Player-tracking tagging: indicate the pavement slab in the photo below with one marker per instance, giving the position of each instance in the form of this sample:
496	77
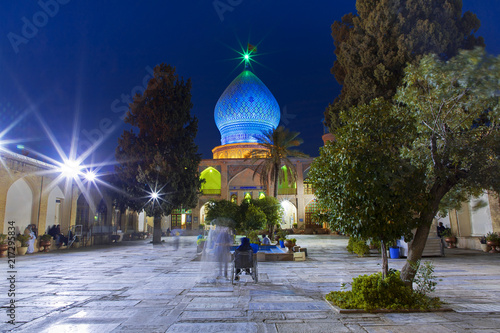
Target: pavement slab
137	287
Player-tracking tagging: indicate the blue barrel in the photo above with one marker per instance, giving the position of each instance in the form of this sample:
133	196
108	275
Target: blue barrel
394	252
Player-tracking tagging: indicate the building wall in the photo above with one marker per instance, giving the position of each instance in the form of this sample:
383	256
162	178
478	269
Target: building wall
237	177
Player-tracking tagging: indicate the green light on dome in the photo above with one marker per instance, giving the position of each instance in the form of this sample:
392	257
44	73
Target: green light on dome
246	56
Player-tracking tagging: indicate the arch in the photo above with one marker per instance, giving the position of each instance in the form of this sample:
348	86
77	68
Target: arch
101	214
55	203
310	209
289	214
245	178
203	212
212	183
18	206
83	212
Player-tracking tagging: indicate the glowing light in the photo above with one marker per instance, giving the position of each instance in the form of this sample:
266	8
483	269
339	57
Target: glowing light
154	195
246	56
70	169
90	175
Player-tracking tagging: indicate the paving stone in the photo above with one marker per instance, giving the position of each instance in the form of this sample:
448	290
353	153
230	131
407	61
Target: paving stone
311	327
213	327
138	287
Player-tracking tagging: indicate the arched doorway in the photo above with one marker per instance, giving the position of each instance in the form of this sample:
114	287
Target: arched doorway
289	215
55	204
19	206
212	184
83	213
311	209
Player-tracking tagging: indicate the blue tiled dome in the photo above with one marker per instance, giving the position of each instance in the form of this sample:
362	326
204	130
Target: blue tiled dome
245	109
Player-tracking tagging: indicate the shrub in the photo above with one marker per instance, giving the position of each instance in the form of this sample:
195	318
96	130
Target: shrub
371	292
360	248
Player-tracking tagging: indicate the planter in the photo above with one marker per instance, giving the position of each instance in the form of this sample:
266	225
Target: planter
45	245
394	252
289	245
3	250
493	245
282	244
451	242
485	247
21	251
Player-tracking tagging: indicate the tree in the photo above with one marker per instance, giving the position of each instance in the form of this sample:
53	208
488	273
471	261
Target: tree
227	210
277	145
272	209
362	181
158	166
454	107
373	47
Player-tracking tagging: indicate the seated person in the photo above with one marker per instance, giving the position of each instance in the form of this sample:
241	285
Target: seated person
265	240
245	246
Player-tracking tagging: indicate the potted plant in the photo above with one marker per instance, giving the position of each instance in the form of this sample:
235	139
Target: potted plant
449	238
23	240
289	244
200	243
3	245
493	240
45	242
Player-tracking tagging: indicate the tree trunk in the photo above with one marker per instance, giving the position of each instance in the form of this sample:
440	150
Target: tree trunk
417	245
276	180
157	230
385	263
415	250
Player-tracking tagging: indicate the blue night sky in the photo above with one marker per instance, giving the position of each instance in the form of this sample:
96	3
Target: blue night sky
87	56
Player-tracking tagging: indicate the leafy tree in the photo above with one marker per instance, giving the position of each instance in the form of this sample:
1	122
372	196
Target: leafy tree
362	180
373	47
272	209
277	145
158	165
454	107
254	218
225	209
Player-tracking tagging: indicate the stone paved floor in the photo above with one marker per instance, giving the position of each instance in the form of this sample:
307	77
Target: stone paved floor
135	287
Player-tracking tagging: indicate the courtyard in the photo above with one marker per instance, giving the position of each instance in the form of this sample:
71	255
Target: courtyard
137	287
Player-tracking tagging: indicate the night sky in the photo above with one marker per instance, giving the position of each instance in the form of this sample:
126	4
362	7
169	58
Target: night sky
85	57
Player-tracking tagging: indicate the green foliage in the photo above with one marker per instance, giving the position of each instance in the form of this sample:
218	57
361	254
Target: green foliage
370	292
253	217
295	225
360	248
23	239
3	237
446	233
200	241
271	207
362	181
45	238
425	280
216	209
374	46
158	153
278	143
454	106
350	244
492	237
253	236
